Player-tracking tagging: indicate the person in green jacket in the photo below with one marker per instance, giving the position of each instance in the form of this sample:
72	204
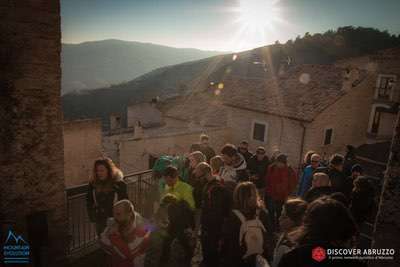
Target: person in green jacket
173	185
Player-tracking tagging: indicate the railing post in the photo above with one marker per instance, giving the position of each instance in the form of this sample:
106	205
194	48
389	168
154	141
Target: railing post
140	200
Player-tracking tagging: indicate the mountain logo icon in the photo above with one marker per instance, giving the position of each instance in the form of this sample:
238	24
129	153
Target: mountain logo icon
17	239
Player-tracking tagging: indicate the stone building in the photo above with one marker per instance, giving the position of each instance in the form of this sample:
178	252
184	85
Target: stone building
167	127
32	187
82	146
317	107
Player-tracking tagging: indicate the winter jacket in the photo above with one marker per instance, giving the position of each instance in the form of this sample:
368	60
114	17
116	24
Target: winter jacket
362	204
208	152
155	253
259	169
125	253
198	184
181	190
283	246
215	206
236	173
317	192
232	252
100	203
247	156
302	257
280	182
338	180
165	251
306	180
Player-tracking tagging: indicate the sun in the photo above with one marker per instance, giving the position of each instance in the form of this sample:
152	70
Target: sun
258	15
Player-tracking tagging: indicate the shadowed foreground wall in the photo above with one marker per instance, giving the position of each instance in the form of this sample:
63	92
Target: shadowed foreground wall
31	146
387	224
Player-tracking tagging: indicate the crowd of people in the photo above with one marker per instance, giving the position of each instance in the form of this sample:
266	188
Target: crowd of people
243	209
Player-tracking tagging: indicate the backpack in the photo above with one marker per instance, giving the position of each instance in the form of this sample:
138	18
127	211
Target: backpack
251	234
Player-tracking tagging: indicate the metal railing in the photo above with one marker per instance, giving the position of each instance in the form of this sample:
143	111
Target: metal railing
82	232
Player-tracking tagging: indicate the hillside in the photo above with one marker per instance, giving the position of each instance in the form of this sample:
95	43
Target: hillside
259	63
102	63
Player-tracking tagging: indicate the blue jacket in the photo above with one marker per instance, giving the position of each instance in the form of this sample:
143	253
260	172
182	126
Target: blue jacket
305	181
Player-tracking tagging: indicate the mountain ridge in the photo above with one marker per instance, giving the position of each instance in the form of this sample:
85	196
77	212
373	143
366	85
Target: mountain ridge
259	63
98	64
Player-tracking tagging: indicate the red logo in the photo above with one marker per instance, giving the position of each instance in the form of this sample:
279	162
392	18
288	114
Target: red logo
318	254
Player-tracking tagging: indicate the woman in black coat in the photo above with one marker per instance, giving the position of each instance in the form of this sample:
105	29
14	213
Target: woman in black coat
105	188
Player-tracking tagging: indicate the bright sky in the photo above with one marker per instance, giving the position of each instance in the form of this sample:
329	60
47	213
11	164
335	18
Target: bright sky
223	25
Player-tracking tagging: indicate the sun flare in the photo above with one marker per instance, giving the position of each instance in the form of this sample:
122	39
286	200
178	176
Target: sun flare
258	15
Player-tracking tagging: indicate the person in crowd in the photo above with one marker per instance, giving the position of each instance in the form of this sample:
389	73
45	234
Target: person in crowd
320	187
194	159
307	159
356	171
234	169
173	185
171	242
281	180
327	224
339	196
307	176
155	254
216	206
200	174
125	237
274	155
258	166
349	159
105	188
247	233
244	151
362	199
336	175
216	164
291	218
194	147
205	147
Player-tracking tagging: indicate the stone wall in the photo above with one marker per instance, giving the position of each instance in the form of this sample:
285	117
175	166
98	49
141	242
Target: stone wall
82	146
134	154
348	117
283	134
31	149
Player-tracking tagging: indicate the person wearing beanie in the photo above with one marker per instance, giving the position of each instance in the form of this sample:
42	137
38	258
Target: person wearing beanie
258	166
349	159
336	174
356	171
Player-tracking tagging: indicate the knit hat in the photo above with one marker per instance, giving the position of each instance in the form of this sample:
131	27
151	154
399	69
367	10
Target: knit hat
281	158
357	168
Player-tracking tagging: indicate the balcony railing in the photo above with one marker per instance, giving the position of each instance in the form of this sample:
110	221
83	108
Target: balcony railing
82	232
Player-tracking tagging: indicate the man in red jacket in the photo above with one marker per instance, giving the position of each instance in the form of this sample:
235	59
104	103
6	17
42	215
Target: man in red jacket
281	180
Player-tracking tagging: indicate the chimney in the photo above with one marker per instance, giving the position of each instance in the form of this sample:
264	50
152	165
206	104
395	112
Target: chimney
351	78
138	131
115	122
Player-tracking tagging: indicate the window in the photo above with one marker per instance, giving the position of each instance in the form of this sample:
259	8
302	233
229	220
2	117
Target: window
259	131
328	136
379	119
385	85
